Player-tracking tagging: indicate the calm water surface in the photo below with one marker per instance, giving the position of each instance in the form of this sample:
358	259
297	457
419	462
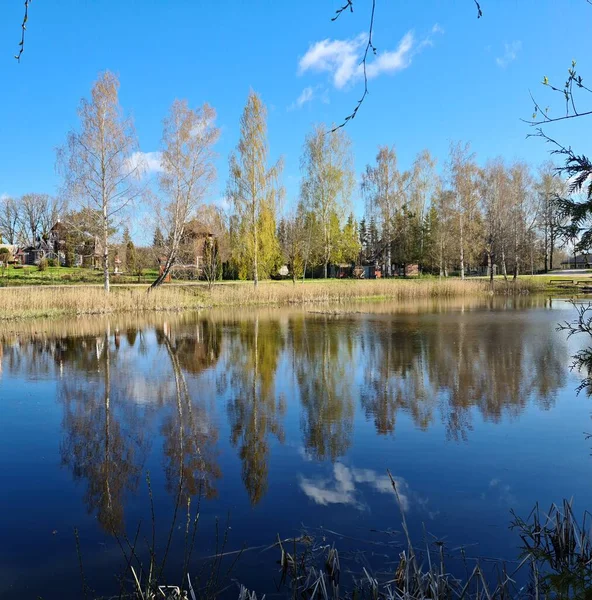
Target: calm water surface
281	420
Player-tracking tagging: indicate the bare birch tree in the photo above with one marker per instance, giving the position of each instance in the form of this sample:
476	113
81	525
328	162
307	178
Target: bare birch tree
9	220
382	186
38	214
445	238
328	179
494	190
97	164
463	172
188	171
524	214
255	193
551	220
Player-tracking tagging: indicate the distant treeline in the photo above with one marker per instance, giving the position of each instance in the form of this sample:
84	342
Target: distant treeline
466	219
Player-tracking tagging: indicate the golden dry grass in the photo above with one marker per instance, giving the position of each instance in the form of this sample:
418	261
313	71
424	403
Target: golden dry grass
29	302
56	301
341	291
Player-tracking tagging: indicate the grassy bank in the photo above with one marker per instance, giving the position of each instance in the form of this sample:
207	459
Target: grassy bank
31	275
34	302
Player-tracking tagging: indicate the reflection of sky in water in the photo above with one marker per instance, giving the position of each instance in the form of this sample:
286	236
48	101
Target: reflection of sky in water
285	420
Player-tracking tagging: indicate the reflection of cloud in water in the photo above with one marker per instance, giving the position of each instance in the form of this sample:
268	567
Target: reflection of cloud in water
343	487
501	491
141	390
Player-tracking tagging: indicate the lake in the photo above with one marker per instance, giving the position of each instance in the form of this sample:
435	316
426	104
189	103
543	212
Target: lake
277	422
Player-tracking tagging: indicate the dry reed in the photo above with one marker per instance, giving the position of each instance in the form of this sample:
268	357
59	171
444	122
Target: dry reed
343	291
22	303
29	302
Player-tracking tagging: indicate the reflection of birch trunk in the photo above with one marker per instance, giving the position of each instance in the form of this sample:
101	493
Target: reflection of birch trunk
179	386
183	400
107	399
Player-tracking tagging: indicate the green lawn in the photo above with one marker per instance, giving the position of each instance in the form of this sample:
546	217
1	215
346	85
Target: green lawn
12	276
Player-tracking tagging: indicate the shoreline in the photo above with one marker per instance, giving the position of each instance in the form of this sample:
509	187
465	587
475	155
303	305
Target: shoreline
33	302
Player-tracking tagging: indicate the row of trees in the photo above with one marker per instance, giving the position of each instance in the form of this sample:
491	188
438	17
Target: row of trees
25	220
468	217
500	214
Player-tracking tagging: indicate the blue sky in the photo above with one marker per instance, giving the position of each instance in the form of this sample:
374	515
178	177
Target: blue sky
440	74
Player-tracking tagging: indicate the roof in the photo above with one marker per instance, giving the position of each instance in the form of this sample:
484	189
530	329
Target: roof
198	229
59	226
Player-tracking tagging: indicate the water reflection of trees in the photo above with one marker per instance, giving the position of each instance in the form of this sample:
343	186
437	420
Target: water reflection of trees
455	365
103	442
255	410
323	361
115	384
190	435
112	385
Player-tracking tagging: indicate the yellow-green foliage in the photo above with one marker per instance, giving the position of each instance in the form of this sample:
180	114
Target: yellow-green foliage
255	193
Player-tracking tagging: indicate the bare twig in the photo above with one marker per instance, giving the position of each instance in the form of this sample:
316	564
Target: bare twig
348	4
573	83
479	11
369	46
23	30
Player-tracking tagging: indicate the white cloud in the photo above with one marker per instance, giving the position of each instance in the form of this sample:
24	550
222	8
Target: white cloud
510	54
396	60
342	58
306	96
145	163
309	94
343	487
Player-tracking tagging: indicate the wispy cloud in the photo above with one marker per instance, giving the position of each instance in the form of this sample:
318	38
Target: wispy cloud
309	94
501	491
145	163
510	54
306	96
342	487
341	58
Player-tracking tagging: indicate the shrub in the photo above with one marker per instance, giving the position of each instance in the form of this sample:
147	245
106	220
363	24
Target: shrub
53	262
43	265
